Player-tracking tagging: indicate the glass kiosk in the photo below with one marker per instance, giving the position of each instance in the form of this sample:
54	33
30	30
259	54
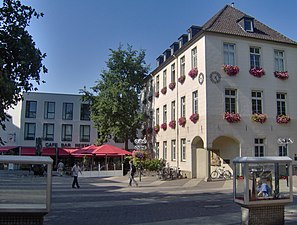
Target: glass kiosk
25	189
262	186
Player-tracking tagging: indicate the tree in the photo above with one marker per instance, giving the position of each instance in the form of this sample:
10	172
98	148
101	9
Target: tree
115	97
20	60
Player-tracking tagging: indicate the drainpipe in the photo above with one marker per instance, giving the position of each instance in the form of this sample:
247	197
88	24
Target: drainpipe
176	115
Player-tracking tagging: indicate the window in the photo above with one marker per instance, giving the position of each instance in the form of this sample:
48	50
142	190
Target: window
194	58
85	112
255	57
173	150
157	150
165	114
173	110
157	83
195	102
157	116
48	131
183	149
84	133
49	110
281	103
229	54
66	132
30	129
67	111
164	78
259	147
183	106
230	101
31	108
257	100
248	25
279	61
182	66
173	73
282	150
165	150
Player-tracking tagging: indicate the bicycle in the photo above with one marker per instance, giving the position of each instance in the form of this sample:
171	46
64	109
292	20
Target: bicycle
221	173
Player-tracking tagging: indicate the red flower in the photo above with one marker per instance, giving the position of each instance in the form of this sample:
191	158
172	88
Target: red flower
194	117
164	126
282	119
281	75
172	85
156	94
232	117
164	90
193	73
260	118
181	79
157	128
257	72
231	70
182	121
172	124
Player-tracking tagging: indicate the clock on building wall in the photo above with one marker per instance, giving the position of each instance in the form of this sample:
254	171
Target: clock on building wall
215	77
201	78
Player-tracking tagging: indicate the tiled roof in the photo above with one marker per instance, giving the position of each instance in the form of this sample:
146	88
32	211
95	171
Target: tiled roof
226	22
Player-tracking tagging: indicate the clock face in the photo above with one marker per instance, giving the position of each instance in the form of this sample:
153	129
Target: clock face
215	77
201	78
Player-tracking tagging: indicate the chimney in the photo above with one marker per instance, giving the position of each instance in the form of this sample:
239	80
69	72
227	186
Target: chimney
232	4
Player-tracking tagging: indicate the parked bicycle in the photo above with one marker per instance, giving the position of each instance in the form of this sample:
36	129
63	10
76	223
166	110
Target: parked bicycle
169	173
221	173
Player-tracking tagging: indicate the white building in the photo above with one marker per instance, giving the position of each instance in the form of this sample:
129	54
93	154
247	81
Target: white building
229	38
61	120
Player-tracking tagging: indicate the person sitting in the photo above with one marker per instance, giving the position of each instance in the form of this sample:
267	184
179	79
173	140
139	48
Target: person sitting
263	189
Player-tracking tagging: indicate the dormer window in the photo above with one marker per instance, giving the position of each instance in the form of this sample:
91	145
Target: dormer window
248	25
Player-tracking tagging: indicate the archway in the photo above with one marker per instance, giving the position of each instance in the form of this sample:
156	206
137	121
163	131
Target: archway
199	158
224	150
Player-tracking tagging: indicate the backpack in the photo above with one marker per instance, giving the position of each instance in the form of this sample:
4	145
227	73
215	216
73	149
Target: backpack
133	169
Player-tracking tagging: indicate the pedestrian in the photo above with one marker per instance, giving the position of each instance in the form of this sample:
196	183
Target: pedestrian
75	170
132	172
60	168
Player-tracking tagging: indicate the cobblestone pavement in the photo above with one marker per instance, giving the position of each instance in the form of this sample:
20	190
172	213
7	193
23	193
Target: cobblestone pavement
104	201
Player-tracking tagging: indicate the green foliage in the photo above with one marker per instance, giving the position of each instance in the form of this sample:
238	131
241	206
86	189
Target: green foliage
115	97
151	165
20	60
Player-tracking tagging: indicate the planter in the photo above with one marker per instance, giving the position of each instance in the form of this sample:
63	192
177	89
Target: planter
193	73
172	85
181	79
257	72
149	130
164	126
282	119
232	117
172	124
156	94
281	75
164	90
157	128
182	121
260	118
231	70
194	117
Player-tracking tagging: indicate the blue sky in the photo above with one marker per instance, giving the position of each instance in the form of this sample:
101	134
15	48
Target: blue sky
76	35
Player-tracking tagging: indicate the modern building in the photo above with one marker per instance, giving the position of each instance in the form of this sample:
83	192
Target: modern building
224	89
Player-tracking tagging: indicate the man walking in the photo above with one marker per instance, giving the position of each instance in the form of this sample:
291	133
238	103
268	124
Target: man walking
75	170
132	172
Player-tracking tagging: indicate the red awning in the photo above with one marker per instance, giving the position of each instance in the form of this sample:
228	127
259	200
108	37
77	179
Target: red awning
28	151
6	148
52	152
103	150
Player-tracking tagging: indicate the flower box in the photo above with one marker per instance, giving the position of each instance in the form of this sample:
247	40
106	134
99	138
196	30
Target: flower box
281	75
194	117
157	128
164	126
164	90
193	73
156	94
137	154
172	124
172	85
231	70
257	72
281	119
181	79
182	121
260	118
232	117
149	130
